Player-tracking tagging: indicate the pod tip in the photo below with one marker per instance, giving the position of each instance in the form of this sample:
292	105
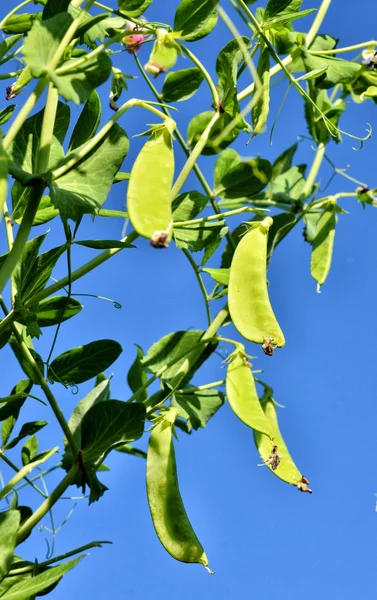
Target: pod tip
209	570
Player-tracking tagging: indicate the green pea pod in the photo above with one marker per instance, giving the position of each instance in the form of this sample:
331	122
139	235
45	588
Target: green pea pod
249	303
149	187
261	106
323	245
242	394
169	516
284	467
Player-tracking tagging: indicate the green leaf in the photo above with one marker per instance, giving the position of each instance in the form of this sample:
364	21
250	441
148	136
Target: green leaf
311	221
21	23
199	123
27	429
43	41
208	26
7	45
274	7
198	236
100	393
78	82
197	406
136	376
168	349
261	106
283	162
227	63
27	588
87	123
55	310
243	178
181	85
53	7
9	412
188	205
129	449
192	15
133	8
289	185
285	18
335	70
281	226
84	188
6	114
29	450
9	524
333	111
84	362
219	275
104	244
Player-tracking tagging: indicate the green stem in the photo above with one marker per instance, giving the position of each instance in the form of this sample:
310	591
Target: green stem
206	75
221	215
345	49
47	504
208	386
49	116
200	282
28	481
13	11
74	157
316	165
14	255
10	75
196	152
25	471
51	561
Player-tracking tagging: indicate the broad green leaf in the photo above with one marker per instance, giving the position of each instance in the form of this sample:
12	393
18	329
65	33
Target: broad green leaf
133	8
192	15
333	112
129	449
29	587
53	7
289	185
315	74
335	70
208	26
29	450
9	412
9	524
55	310
24	149
226	161
84	188
23	273
227	63
197	406
283	162
281	226
99	394
27	429
181	85
84	362
168	349
104	244
198	236
43	41
137	377
321	42
20	23
188	205
78	82
6	113
219	275
213	146
285	18
274	7
46	210
87	123
261	105
244	178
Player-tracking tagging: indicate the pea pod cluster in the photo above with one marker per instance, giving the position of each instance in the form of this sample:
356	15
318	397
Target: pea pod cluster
323	245
277	457
149	187
249	303
242	394
169	516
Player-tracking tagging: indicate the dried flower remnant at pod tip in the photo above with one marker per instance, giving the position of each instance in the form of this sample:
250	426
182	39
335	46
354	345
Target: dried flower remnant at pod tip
267	347
303	485
9	93
160	239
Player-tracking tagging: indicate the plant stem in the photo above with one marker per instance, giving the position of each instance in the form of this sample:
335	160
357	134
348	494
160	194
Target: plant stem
27	480
47	504
10	75
206	75
24	471
200	282
370	44
221	215
51	561
193	157
49	115
316	165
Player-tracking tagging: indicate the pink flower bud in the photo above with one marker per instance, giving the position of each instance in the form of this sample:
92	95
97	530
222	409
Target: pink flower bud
133	42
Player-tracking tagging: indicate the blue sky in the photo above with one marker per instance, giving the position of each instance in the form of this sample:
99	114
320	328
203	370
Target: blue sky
262	537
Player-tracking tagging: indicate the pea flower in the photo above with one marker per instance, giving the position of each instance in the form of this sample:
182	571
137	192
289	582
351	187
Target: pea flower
369	59
133	42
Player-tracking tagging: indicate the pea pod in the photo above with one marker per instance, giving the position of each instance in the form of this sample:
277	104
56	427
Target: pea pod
169	516
283	467
260	109
164	52
242	394
323	245
149	187
249	303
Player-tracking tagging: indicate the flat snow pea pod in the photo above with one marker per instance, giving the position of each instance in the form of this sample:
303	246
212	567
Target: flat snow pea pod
249	303
242	394
323	245
276	456
149	187
169	516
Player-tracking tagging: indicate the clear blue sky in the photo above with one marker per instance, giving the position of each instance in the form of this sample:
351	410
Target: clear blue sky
263	538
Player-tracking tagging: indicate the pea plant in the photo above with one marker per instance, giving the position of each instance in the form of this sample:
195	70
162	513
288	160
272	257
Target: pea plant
65	50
